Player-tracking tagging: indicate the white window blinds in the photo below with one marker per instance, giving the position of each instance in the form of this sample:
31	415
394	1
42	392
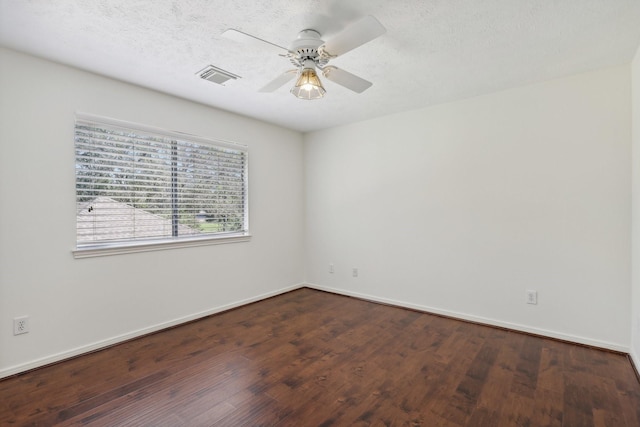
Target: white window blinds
139	184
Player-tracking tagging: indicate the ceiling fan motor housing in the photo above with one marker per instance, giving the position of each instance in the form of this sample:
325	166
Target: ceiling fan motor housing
305	47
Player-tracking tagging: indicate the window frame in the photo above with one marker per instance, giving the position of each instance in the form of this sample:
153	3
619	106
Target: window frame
134	246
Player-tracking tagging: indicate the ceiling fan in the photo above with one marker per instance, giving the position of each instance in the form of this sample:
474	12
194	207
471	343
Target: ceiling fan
309	52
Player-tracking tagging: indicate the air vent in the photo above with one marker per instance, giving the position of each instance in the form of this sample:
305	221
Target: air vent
216	75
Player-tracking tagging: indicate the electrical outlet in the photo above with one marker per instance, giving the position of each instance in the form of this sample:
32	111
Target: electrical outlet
20	325
355	272
330	268
532	297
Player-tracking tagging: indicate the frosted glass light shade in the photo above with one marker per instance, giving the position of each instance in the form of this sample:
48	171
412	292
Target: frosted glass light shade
308	85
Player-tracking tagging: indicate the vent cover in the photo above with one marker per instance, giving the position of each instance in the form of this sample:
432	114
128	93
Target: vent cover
216	75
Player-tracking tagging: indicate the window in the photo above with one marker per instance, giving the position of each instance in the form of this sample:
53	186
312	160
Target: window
143	188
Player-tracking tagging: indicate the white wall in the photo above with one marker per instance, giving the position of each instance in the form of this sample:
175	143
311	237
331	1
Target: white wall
79	304
635	300
459	208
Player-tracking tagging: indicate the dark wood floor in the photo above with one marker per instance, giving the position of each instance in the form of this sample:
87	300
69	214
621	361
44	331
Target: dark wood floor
310	358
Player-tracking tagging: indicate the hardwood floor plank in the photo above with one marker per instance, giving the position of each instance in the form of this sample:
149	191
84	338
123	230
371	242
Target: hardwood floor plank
517	411
314	358
496	389
551	367
525	380
548	410
483	417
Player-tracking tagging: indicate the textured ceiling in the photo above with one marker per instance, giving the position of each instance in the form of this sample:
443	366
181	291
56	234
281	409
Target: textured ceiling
434	51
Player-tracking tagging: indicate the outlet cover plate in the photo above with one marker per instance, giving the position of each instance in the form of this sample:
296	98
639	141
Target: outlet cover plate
20	325
532	297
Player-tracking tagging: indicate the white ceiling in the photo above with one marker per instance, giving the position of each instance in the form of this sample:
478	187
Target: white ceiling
434	51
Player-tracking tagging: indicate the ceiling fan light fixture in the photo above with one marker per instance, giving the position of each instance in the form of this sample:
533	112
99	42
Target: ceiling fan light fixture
308	84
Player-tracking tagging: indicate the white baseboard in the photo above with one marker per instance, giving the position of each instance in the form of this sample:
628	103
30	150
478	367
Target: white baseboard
482	320
13	370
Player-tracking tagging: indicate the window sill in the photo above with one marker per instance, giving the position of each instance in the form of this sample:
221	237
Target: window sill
104	250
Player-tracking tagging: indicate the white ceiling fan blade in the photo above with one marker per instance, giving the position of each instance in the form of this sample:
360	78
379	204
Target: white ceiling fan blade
250	40
279	81
346	79
356	34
